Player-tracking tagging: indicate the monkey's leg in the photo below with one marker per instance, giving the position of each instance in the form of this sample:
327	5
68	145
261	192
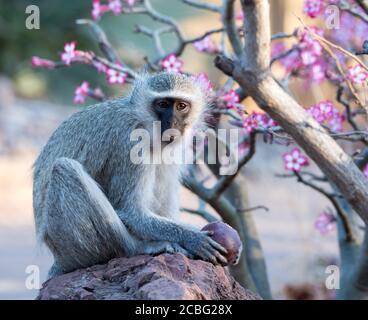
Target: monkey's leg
81	227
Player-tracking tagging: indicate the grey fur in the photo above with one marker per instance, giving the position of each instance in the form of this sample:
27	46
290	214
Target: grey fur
91	203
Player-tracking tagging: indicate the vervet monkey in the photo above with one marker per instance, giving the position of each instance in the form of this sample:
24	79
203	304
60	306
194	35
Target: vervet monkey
92	203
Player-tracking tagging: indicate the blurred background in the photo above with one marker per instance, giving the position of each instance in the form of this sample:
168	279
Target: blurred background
33	102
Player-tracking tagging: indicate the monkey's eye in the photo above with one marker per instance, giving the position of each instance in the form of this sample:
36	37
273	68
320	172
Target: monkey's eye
163	104
182	106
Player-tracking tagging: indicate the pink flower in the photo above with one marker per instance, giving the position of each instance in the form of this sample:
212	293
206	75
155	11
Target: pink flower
98	9
130	3
81	92
317	72
313	8
44	63
171	63
357	74
325	222
263	120
249	122
325	112
206	45
231	99
203	80
240	16
277	48
295	160
115	77
69	53
99	66
322	111
365	171
115	6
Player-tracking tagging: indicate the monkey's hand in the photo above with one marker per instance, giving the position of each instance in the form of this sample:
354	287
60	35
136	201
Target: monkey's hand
203	246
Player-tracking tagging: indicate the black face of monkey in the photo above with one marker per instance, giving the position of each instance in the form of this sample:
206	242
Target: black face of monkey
172	113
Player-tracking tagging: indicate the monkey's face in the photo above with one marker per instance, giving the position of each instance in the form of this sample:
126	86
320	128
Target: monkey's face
173	114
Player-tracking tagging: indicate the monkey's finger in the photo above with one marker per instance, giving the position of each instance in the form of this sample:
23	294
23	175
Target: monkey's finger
218	246
222	260
211	258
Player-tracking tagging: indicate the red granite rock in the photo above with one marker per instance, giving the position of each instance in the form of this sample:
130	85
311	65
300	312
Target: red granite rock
151	278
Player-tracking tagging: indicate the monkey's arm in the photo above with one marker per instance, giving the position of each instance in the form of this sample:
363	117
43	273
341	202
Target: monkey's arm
149	226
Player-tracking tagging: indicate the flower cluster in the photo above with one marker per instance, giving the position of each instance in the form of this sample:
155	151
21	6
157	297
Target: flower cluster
114	6
115	77
326	113
84	90
354	28
81	92
231	99
206	45
69	53
357	74
295	160
43	63
313	8
306	57
325	222
172	63
257	120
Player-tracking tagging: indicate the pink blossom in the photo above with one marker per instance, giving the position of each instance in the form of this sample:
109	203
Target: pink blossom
317	72
130	3
295	160
99	66
171	63
98	9
115	77
81	92
277	48
325	222
322	111
263	120
231	99
206	45
313	8
326	113
357	74
240	16
44	63
292	61
249	122
203	80
69	52
115	6
365	170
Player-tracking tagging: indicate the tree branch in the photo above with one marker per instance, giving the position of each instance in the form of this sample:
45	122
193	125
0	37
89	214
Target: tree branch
253	76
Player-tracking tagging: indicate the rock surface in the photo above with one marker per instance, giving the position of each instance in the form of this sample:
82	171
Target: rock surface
151	278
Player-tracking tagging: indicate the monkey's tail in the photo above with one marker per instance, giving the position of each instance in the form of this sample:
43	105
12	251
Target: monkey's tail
82	228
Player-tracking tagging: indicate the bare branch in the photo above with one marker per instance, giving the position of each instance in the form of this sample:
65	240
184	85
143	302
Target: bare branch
203	5
202	213
253	76
339	211
224	181
253	209
231	29
102	40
